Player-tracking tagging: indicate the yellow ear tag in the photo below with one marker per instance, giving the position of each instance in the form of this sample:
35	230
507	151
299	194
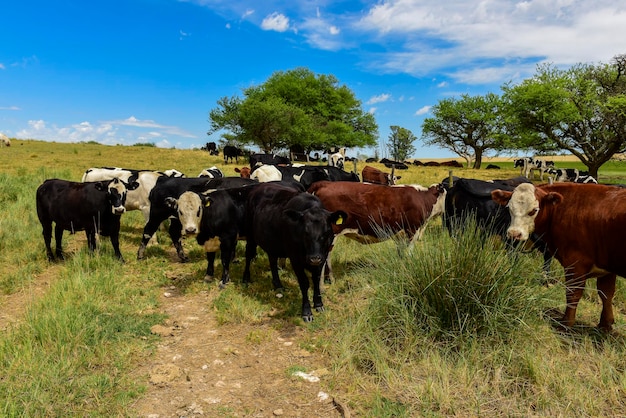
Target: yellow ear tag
339	220
207	204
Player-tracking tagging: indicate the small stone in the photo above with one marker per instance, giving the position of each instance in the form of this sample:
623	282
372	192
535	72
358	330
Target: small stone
278	412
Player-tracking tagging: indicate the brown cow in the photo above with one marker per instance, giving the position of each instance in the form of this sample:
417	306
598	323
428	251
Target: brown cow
244	172
376	176
376	212
583	226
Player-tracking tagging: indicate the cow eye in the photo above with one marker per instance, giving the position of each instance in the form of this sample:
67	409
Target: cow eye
533	212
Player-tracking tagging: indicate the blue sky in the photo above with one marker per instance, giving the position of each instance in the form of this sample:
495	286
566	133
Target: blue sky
122	72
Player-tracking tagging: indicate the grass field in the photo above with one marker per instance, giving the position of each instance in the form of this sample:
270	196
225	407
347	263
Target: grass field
450	328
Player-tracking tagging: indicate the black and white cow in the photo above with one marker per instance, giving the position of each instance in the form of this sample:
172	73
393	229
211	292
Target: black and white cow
161	208
586	179
560	175
287	223
137	197
230	152
94	207
529	164
337	160
259	159
211	173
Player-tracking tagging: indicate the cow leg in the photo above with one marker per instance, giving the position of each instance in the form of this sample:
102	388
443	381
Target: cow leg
115	242
328	271
148	231
274	269
574	288
210	267
146	215
250	254
176	234
58	236
91	240
606	291
303	282
47	238
227	251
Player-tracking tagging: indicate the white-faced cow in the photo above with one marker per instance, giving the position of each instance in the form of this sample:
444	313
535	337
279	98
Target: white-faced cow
138	197
583	225
377	212
286	223
91	207
375	176
337	160
161	207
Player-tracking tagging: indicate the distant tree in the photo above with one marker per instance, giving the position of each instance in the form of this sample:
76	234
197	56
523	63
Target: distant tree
581	109
469	126
400	143
295	107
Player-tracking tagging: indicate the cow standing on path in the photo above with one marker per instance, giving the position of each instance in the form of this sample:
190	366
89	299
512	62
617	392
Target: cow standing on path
584	226
287	223
91	207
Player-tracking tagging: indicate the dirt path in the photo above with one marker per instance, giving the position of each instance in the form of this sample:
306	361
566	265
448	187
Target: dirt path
202	369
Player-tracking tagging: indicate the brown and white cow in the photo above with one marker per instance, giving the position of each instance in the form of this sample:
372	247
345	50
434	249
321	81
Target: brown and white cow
244	172
375	176
377	212
583	226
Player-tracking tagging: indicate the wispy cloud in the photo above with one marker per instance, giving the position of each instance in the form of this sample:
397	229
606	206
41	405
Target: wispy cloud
423	110
379	99
276	21
9	108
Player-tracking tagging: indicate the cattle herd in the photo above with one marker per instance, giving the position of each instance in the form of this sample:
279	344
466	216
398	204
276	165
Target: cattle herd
298	211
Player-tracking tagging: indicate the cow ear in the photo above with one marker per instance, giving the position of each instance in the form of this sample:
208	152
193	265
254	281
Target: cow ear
338	217
133	185
206	200
501	197
171	203
552	198
294	215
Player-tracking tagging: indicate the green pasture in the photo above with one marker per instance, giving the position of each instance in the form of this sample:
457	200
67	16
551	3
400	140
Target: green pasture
456	326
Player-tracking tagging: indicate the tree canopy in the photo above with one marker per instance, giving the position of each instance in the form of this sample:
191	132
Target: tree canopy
400	143
581	110
295	108
468	126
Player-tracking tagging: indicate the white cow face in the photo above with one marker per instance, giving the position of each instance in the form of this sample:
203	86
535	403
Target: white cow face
523	207
116	192
189	210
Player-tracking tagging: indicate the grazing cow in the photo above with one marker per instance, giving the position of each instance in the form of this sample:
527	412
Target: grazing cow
257	160
230	152
336	160
244	172
94	207
211	148
161	207
529	164
287	223
138	195
4	140
583	226
211	173
391	164
376	176
562	174
376	212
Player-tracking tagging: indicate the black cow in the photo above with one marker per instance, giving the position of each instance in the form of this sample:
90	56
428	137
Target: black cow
230	152
211	148
286	223
259	159
391	164
94	207
161	207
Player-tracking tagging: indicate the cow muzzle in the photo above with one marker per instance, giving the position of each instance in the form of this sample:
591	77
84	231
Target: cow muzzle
517	234
315	260
190	230
118	210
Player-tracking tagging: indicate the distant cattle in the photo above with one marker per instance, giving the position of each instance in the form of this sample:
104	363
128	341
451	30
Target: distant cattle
583	225
371	160
432	164
391	164
4	140
586	179
211	173
492	167
451	163
91	207
211	148
257	160
230	152
138	196
161	208
373	175
376	212
336	160
289	224
305	175
244	172
418	163
528	165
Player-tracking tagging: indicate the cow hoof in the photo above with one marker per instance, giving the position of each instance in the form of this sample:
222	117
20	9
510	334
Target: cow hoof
319	308
208	278
307	318
223	285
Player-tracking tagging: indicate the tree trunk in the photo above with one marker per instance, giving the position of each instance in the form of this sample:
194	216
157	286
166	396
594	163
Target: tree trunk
479	159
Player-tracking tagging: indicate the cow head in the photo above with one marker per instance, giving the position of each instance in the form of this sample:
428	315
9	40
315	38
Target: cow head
244	172
173	173
188	208
525	203
116	194
336	160
314	226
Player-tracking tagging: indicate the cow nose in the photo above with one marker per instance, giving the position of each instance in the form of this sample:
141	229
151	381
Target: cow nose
120	210
190	230
515	234
315	260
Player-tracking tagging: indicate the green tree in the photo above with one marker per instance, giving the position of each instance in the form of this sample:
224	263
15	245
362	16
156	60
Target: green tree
581	109
400	143
469	126
295	107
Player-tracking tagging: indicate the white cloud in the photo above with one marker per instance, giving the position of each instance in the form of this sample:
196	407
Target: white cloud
379	99
10	108
423	110
276	21
248	12
334	30
372	110
2	67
